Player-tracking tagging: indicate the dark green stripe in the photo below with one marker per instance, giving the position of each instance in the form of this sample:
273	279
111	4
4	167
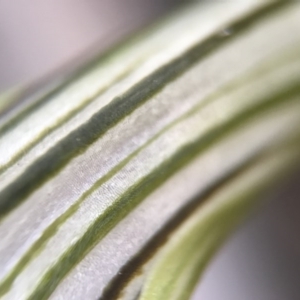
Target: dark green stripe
89	67
134	265
52	228
68	77
76	142
57	86
140	190
62	120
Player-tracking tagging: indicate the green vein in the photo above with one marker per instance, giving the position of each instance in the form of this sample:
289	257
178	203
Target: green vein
137	192
97	62
127	272
52	228
76	142
133	266
71	113
100	61
181	261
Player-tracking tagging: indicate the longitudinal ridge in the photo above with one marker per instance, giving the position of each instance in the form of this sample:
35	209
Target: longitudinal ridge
121	173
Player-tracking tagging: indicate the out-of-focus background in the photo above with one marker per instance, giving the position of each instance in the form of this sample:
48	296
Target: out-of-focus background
262	259
37	37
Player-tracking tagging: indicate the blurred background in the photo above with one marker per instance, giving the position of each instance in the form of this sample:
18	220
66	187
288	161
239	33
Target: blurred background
37	38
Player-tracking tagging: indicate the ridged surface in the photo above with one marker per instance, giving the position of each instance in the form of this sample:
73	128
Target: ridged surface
112	186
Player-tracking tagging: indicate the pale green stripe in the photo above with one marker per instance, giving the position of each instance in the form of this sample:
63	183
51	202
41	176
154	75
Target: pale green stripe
256	75
183	259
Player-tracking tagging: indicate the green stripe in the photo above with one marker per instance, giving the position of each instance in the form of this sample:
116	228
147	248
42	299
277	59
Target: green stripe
136	193
179	264
23	151
76	142
92	65
79	74
135	264
52	229
69	79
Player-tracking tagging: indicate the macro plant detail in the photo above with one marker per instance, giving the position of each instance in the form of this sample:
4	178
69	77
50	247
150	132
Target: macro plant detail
123	180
